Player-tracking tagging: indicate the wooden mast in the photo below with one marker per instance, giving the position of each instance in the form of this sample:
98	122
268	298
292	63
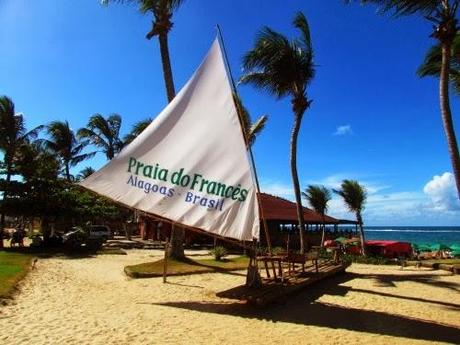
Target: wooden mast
246	140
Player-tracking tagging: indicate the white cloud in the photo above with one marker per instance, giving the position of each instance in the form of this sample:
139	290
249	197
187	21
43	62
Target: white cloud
334	182
278	189
343	130
442	192
436	204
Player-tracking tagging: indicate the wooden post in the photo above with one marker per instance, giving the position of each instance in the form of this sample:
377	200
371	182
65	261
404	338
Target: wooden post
165	261
251	156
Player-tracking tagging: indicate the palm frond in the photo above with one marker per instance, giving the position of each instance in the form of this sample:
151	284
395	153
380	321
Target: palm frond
267	47
243	112
318	198
63	143
137	129
353	194
278	66
33	133
256	128
84	173
404	7
264	82
80	158
300	22
104	133
431	65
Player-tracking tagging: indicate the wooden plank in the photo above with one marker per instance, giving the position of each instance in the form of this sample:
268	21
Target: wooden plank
272	290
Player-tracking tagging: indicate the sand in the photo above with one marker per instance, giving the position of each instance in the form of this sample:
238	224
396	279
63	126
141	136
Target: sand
91	301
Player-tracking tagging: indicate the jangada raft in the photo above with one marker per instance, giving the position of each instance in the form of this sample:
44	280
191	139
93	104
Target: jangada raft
191	165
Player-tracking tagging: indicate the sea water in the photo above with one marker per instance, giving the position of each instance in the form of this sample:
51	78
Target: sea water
430	234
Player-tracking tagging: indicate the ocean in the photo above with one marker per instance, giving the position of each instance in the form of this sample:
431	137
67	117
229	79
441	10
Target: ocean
431	234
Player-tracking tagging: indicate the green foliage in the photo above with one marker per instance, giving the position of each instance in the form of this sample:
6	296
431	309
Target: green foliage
66	146
431	65
405	7
279	66
353	194
251	129
13	267
162	11
137	129
371	260
78	237
84	173
317	197
218	252
278	250
103	133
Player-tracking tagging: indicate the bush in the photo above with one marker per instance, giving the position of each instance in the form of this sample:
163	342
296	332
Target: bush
372	260
75	238
219	253
278	250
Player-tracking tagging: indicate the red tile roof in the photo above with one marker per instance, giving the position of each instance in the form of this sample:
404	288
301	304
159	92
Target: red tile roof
276	208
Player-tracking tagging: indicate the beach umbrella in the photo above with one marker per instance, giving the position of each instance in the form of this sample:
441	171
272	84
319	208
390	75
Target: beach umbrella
438	246
455	250
455	247
422	247
330	243
341	239
351	241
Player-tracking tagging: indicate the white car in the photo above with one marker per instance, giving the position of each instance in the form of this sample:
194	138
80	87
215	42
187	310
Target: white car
100	232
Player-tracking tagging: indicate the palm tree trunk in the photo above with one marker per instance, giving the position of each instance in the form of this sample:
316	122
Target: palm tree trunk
167	72
295	178
176	249
359	218
323	232
446	113
67	171
5	196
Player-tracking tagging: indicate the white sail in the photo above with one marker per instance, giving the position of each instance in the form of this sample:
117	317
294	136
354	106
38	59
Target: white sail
190	165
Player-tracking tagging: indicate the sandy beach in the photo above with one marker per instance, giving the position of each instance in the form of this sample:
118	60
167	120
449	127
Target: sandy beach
91	301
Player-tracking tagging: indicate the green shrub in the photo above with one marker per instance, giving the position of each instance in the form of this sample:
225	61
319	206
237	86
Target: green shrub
278	250
219	253
372	260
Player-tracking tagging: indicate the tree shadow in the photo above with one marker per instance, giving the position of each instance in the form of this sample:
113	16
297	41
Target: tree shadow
186	285
56	252
452	306
304	309
390	280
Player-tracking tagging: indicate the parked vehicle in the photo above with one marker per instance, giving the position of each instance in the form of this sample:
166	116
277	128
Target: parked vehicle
100	232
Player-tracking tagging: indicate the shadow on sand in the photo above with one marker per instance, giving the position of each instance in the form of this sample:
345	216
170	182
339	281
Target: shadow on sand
305	310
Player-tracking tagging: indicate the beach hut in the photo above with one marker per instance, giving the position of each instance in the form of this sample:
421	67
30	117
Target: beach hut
281	217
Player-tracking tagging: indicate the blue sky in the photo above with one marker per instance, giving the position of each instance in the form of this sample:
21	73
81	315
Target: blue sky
372	118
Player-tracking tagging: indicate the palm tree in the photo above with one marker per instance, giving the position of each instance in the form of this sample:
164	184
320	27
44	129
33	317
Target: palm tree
285	68
443	15
137	129
162	11
104	133
13	135
84	173
354	195
66	146
431	65
318	197
251	129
